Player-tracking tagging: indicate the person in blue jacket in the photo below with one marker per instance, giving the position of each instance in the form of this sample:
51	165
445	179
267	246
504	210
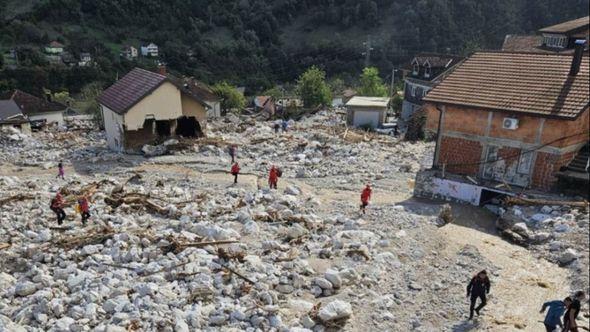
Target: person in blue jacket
556	310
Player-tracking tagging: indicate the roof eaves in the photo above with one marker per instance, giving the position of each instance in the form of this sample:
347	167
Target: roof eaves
492	109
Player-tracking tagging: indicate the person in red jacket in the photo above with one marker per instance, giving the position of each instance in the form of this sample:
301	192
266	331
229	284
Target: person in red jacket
365	197
273	177
57	206
84	209
235	170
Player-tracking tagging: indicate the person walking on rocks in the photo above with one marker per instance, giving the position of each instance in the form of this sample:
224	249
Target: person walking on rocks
60	170
365	197
57	206
232	152
235	170
273	177
84	208
569	319
556	310
479	286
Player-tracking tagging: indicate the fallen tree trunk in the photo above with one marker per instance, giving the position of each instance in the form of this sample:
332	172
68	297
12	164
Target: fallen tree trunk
530	201
17	197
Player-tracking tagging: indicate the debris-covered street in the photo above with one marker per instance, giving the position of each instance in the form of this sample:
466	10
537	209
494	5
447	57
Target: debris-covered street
173	245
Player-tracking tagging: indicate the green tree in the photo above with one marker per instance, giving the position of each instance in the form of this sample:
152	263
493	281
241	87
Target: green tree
230	96
274	92
371	83
90	93
312	88
396	104
1	60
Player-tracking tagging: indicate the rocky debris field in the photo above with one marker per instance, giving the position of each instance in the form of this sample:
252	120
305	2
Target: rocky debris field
557	233
173	245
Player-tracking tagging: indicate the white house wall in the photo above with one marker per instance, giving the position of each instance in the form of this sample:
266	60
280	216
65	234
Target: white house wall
49	117
113	125
164	103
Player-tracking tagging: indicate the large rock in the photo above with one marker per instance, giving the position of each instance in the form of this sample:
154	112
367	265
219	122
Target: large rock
25	288
521	229
335	310
568	256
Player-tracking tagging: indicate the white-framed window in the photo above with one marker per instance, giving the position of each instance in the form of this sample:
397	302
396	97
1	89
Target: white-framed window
427	70
415	67
555	41
525	162
413	91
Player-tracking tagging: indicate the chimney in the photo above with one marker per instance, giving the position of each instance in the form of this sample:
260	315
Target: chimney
162	69
577	60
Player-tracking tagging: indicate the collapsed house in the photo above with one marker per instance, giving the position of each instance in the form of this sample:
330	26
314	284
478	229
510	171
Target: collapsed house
145	107
11	116
511	119
36	109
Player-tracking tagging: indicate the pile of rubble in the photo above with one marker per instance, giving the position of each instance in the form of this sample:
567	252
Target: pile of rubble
558	233
172	245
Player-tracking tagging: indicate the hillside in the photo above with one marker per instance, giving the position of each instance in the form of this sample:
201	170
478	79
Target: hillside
258	43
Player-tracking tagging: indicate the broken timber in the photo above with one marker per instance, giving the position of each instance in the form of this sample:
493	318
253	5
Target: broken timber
530	201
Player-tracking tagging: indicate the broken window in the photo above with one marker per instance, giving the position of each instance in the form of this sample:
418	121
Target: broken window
163	128
491	159
188	126
525	162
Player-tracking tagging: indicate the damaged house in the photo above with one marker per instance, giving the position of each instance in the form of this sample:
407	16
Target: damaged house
504	119
145	107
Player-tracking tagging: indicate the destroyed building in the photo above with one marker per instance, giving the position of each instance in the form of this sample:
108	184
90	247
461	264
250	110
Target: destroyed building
144	107
512	118
37	109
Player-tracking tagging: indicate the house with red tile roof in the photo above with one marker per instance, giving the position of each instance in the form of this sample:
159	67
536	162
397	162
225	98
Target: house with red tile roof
513	119
37	109
145	107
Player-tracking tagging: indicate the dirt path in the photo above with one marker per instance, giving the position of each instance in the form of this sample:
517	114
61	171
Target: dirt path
524	281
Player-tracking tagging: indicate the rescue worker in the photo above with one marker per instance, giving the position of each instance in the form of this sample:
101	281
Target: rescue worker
84	207
232	152
277	127
556	310
479	286
60	170
57	206
235	170
569	319
273	177
365	197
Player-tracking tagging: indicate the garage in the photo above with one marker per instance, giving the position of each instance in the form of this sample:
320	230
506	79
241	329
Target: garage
366	119
367	111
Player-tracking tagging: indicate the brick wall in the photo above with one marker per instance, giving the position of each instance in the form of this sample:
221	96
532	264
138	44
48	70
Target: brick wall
546	165
454	151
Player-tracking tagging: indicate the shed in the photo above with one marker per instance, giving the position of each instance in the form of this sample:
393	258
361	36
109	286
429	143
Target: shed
367	111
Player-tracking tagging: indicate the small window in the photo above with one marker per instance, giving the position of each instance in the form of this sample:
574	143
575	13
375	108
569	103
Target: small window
413	91
415	67
427	70
525	162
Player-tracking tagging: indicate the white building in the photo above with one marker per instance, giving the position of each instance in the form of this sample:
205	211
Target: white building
367	111
150	50
38	109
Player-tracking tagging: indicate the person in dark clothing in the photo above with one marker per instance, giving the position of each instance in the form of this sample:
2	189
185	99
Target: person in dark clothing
556	310
277	127
569	319
479	286
232	153
60	170
57	206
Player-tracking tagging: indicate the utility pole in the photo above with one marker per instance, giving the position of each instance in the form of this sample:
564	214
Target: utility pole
367	52
392	82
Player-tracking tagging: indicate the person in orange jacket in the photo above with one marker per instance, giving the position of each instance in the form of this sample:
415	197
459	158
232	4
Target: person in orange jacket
57	206
235	170
84	209
365	197
273	177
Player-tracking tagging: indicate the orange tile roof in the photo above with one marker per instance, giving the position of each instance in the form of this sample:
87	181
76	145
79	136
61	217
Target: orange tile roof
517	82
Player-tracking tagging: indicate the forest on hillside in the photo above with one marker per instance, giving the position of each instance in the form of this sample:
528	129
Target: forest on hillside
257	43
